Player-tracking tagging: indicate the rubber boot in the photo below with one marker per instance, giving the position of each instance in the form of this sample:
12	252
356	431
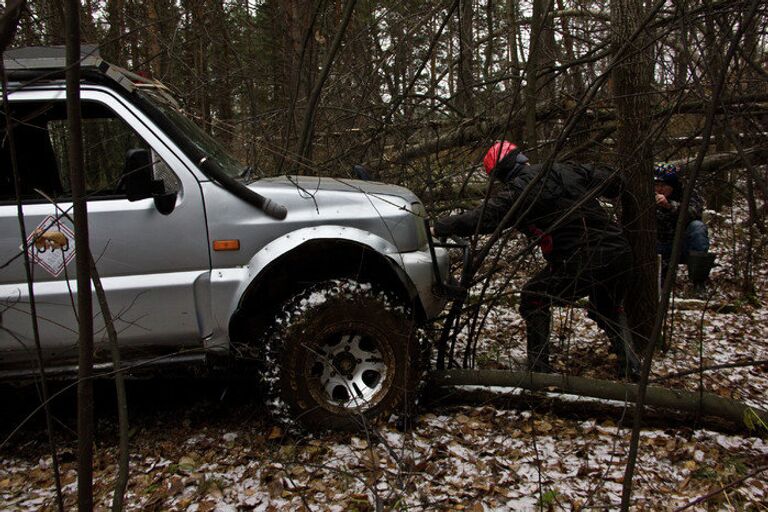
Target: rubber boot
537	331
627	362
699	265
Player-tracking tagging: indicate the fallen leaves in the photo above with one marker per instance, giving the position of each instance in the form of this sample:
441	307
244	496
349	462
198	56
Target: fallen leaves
436	466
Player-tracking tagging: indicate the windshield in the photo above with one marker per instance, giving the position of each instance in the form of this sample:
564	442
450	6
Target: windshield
194	135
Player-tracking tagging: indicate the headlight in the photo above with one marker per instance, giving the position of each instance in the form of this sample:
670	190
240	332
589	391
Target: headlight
419	214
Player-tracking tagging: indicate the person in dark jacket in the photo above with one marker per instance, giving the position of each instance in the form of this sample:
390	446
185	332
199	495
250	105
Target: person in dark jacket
669	192
586	251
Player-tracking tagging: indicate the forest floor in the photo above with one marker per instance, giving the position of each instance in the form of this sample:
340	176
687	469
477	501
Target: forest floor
207	445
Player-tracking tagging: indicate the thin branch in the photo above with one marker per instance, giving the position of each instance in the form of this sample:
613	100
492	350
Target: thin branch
724	488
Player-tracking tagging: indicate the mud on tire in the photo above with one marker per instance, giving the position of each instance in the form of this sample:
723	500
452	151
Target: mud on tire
344	355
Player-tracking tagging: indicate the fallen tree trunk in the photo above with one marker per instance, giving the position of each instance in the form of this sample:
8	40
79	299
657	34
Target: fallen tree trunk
704	404
729	160
717	162
470	131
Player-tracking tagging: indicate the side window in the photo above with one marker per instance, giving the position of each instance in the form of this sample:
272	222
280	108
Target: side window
105	142
41	137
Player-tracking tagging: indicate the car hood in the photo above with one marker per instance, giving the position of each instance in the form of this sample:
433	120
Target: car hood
304	184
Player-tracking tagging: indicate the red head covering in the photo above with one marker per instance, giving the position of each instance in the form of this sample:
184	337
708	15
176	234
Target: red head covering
496	154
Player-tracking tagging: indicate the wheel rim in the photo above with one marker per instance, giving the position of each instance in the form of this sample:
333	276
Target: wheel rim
350	371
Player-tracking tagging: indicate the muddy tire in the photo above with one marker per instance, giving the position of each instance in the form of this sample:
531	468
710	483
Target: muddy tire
346	355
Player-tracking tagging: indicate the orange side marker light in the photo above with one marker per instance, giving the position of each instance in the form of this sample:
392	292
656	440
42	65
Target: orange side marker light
226	245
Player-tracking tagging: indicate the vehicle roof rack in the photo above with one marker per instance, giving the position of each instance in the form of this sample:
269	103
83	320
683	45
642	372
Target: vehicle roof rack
48	57
51	61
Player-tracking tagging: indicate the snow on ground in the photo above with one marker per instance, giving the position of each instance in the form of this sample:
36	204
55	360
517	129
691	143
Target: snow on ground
192	450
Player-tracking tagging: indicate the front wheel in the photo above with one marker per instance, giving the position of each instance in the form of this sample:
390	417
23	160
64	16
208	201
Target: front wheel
346	355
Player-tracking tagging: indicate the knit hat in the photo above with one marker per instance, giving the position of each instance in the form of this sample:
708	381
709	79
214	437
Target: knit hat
665	172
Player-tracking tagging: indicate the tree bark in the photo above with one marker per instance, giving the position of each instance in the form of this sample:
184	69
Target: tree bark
153	34
54	23
121	482
540	9
112	48
706	404
464	90
298	55
305	141
490	47
85	426
513	62
631	81
674	259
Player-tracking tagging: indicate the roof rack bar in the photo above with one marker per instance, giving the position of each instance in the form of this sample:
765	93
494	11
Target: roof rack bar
34	61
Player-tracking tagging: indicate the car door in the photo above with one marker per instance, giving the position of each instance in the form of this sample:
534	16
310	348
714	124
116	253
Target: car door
154	267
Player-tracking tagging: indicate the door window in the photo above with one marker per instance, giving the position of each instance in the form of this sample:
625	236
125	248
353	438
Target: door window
41	137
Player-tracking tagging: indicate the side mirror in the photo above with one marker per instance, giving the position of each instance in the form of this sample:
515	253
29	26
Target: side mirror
137	181
165	202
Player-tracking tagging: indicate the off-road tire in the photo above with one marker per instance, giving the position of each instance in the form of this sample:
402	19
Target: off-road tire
345	355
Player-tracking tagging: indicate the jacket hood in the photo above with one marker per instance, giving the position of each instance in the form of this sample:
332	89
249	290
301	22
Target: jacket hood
510	165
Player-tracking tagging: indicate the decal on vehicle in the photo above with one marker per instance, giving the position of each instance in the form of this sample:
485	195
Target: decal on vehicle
52	244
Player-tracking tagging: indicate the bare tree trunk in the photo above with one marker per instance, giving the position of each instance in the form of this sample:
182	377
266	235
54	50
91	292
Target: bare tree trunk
122	398
574	80
152	29
490	44
54	16
631	81
85	426
514	85
675	257
221	68
549	54
305	142
464	93
298	49
718	193
433	80
201	64
113	47
451	55
540	10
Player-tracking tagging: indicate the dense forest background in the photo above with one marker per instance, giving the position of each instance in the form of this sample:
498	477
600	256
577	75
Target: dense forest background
417	89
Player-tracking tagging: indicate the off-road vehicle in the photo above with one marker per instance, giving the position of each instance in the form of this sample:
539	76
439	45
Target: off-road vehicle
322	280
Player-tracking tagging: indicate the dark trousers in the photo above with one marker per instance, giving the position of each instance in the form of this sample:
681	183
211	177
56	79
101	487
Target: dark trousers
696	239
600	275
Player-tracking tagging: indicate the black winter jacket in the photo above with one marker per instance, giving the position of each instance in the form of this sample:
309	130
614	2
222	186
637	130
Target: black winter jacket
588	228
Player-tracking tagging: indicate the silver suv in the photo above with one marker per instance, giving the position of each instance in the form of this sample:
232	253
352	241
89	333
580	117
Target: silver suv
321	280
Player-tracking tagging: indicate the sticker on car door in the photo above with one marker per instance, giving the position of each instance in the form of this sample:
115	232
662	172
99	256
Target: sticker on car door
52	244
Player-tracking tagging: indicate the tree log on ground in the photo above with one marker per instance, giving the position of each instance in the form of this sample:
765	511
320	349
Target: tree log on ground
704	404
